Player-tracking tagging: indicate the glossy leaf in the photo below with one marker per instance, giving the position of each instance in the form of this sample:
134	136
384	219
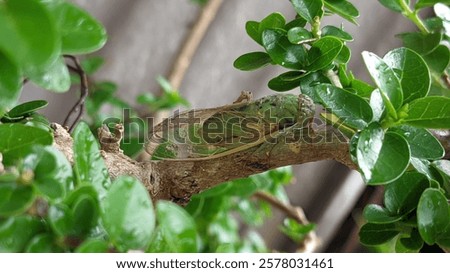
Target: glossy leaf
298	35
33	50
297	22
310	83
282	51
411	244
428	3
343	8
421	142
421	43
10	83
286	81
323	52
93	246
377	105
386	80
433	215
60	218
85	214
337	33
15	232
382	157
89	166
252	61
128	215
361	88
42	243
344	55
273	20
55	78
350	108
429	112
379	215
252	29
393	5
308	9
413	73
20	199
80	32
377	234
25	109
17	138
177	227
438	59
402	195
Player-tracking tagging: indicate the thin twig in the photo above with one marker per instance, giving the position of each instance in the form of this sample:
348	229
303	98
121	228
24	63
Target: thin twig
311	241
192	42
78	108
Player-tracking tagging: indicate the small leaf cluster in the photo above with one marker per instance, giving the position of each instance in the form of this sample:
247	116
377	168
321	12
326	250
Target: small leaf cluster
387	121
29	54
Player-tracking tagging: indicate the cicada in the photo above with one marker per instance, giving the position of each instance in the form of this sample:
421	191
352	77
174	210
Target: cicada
214	132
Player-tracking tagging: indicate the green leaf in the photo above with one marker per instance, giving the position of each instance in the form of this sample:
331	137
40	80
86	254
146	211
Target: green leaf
308	9
92	64
402	195
177	227
60	218
20	199
85	214
421	142
386	80
361	88
413	73
323	52
10	83
282	51
379	215
32	50
433	215
310	82
337	33
15	232
382	157
411	244
344	55
93	246
352	109
429	112
420	42
428	3
344	9
17	138
286	81
377	105
27	108
89	166
377	234
128	214
252	29
297	22
393	5
273	20
80	32
438	59
298	35
55	78
252	61
52	171
42	243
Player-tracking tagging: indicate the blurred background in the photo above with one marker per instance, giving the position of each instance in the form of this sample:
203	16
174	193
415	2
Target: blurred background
145	38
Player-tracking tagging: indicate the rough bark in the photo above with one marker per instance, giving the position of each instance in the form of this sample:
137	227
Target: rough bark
178	180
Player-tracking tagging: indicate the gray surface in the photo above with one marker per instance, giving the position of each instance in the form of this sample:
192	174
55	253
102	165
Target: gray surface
145	35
